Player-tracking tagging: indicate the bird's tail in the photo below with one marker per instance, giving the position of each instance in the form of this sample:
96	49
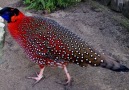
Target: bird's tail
112	64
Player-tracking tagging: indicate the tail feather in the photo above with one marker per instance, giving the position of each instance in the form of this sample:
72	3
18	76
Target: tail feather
113	65
122	69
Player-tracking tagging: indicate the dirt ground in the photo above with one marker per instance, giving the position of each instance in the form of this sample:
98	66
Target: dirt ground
97	27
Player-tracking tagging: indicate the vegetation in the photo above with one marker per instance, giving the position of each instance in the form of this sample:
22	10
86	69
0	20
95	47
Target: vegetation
48	5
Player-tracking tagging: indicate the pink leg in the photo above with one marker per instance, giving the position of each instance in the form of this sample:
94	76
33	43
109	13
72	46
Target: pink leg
68	75
39	76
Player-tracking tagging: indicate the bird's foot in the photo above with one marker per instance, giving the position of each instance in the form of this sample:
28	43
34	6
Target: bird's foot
66	83
69	80
38	78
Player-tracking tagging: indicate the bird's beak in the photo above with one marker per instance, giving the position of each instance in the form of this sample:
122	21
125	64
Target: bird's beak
0	12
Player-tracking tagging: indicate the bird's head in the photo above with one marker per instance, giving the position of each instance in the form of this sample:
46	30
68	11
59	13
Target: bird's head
9	14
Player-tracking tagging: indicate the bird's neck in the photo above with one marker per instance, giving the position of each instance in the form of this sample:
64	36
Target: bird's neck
13	25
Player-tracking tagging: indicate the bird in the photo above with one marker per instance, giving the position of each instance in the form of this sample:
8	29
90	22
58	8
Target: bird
47	43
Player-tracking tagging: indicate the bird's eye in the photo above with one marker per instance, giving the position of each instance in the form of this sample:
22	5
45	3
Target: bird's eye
12	9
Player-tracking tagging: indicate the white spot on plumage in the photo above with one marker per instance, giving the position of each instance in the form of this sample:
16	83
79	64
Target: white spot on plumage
89	61
76	51
95	58
77	63
98	55
95	64
81	60
102	61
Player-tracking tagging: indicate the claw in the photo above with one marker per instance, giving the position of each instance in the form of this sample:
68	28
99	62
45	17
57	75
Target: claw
67	83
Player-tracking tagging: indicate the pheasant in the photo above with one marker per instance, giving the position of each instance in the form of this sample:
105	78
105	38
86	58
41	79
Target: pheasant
49	44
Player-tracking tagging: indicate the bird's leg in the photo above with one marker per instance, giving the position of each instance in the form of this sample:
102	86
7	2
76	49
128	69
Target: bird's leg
68	75
68	82
40	75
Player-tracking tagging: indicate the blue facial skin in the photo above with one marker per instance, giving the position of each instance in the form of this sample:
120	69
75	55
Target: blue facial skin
6	16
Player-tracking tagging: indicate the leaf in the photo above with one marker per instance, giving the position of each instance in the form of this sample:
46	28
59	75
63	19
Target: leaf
43	3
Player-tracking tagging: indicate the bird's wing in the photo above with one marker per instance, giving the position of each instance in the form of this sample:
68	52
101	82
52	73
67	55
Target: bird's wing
38	38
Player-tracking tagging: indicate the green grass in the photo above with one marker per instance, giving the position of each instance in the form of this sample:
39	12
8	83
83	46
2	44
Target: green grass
48	5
